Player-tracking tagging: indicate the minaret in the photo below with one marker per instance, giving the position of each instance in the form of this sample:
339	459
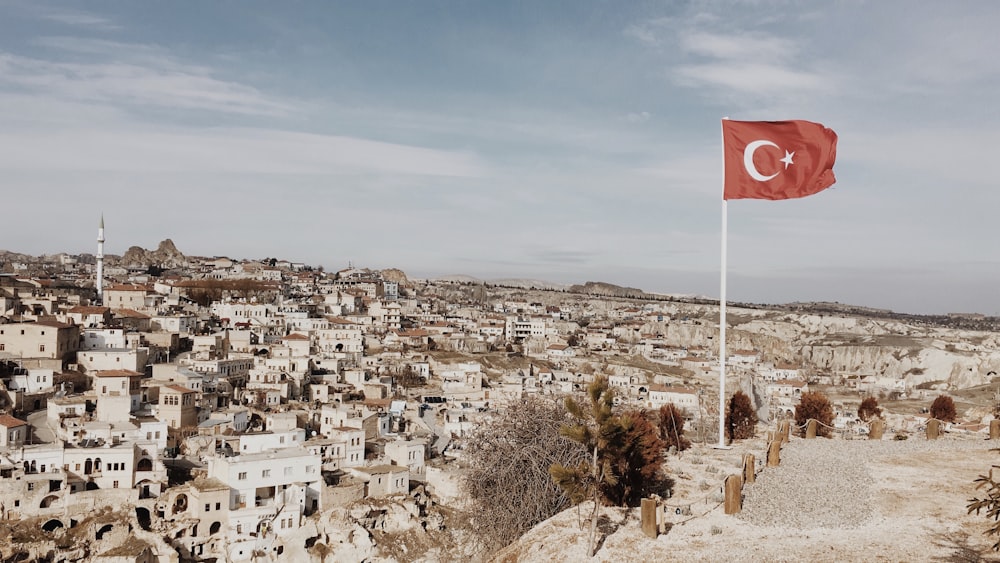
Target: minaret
100	262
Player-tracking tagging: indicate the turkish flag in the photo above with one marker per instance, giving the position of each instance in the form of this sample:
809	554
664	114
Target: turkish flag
777	159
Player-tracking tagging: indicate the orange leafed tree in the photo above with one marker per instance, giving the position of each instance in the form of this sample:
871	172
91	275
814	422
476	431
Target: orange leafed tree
672	427
815	405
741	419
943	408
869	409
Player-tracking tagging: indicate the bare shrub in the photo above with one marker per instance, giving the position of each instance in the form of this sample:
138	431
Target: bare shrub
508	482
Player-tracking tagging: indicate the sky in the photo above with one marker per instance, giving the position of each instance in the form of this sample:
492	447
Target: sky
557	140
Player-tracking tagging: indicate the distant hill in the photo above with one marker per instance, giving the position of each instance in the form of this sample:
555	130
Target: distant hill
608	289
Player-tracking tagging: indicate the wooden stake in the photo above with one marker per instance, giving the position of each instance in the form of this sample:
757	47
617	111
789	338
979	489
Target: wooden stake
649	526
811	427
933	429
749	476
734	494
875	429
773	451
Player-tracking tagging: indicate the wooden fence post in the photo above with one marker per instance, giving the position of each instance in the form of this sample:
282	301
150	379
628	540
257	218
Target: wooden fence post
876	428
811	427
649	510
749	476
773	453
734	494
933	429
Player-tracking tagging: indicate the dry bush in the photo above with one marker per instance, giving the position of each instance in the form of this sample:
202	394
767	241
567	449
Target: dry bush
636	462
672	427
741	419
814	404
869	409
943	408
508	482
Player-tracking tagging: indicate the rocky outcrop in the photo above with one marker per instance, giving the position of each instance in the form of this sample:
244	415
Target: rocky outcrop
395	275
165	256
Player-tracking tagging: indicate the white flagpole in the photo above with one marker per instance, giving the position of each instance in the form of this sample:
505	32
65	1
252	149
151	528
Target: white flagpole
722	333
722	308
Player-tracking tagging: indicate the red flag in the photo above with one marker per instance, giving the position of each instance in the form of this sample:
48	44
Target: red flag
777	159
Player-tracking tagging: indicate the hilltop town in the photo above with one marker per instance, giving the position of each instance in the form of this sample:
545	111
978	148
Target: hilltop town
162	407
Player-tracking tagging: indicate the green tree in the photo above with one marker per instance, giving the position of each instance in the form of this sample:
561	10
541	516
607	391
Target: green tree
741	419
815	405
597	429
990	503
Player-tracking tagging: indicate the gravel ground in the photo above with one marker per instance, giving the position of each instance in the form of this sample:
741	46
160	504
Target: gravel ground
827	483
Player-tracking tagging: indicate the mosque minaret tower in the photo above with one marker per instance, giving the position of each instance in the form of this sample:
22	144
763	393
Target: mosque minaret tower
100	262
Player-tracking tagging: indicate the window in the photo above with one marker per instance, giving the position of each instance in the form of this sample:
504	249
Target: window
17	503
114	485
208	507
288	471
218	506
31	486
310	469
239	530
265	473
41	347
242	476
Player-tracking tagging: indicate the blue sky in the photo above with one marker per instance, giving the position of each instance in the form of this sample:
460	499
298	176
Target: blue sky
566	141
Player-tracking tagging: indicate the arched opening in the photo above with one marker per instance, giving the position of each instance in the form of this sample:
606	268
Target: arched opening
97	464
92	486
142	515
48	501
104	529
180	503
214	528
144	465
88	466
52	525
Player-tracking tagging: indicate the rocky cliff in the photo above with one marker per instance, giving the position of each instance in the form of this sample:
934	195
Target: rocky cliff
165	256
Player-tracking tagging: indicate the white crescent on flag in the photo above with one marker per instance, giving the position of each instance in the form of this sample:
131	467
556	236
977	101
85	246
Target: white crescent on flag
748	160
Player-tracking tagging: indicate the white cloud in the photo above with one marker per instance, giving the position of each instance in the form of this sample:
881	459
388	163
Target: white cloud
738	47
140	76
77	18
638	117
224	150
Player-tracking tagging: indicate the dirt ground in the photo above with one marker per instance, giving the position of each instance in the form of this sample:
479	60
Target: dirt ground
920	515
